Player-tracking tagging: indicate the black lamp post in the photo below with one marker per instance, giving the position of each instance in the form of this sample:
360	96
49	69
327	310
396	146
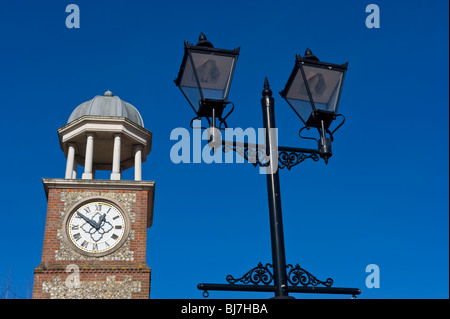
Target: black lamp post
313	91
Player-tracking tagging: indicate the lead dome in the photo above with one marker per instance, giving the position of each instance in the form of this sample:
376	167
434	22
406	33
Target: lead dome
107	105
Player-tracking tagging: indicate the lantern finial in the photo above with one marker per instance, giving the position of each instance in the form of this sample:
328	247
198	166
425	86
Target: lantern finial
310	56
203	41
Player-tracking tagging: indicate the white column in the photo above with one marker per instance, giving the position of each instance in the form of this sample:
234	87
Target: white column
74	171
70	160
138	162
115	175
88	163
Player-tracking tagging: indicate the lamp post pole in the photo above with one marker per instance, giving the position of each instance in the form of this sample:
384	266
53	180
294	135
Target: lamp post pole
274	196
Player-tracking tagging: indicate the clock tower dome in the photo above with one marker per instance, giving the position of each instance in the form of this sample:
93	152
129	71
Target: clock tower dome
95	239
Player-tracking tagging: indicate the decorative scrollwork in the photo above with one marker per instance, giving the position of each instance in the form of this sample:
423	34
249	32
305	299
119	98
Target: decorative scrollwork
261	277
262	274
253	153
258	275
256	154
290	159
299	276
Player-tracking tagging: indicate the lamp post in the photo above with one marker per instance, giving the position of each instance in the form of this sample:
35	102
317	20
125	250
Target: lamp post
313	92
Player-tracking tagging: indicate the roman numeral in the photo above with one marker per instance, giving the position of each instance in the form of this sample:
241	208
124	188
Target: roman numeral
118	227
77	227
114	236
85	244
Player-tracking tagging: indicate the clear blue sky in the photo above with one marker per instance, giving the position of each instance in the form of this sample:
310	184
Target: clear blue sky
383	198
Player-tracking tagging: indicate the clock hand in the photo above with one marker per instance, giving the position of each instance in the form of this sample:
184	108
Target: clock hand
90	222
101	220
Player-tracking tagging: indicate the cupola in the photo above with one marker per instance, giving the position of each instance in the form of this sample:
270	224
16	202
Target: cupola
105	133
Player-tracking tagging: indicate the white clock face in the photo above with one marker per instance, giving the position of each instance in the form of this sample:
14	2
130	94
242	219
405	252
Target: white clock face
97	227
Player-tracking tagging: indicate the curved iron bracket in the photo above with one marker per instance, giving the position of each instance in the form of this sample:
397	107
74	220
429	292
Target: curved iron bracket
306	137
198	118
222	121
288	157
332	132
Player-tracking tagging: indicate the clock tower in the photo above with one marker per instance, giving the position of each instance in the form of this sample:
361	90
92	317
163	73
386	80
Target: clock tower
95	238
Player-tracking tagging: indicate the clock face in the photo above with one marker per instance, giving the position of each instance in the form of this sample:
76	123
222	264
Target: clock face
97	228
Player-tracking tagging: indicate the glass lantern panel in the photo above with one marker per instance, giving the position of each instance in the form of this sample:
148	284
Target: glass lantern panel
192	95
298	97
324	84
189	86
214	74
302	108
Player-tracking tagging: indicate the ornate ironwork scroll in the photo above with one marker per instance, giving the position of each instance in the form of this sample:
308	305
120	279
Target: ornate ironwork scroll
299	276
289	159
296	276
253	153
256	154
259	274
